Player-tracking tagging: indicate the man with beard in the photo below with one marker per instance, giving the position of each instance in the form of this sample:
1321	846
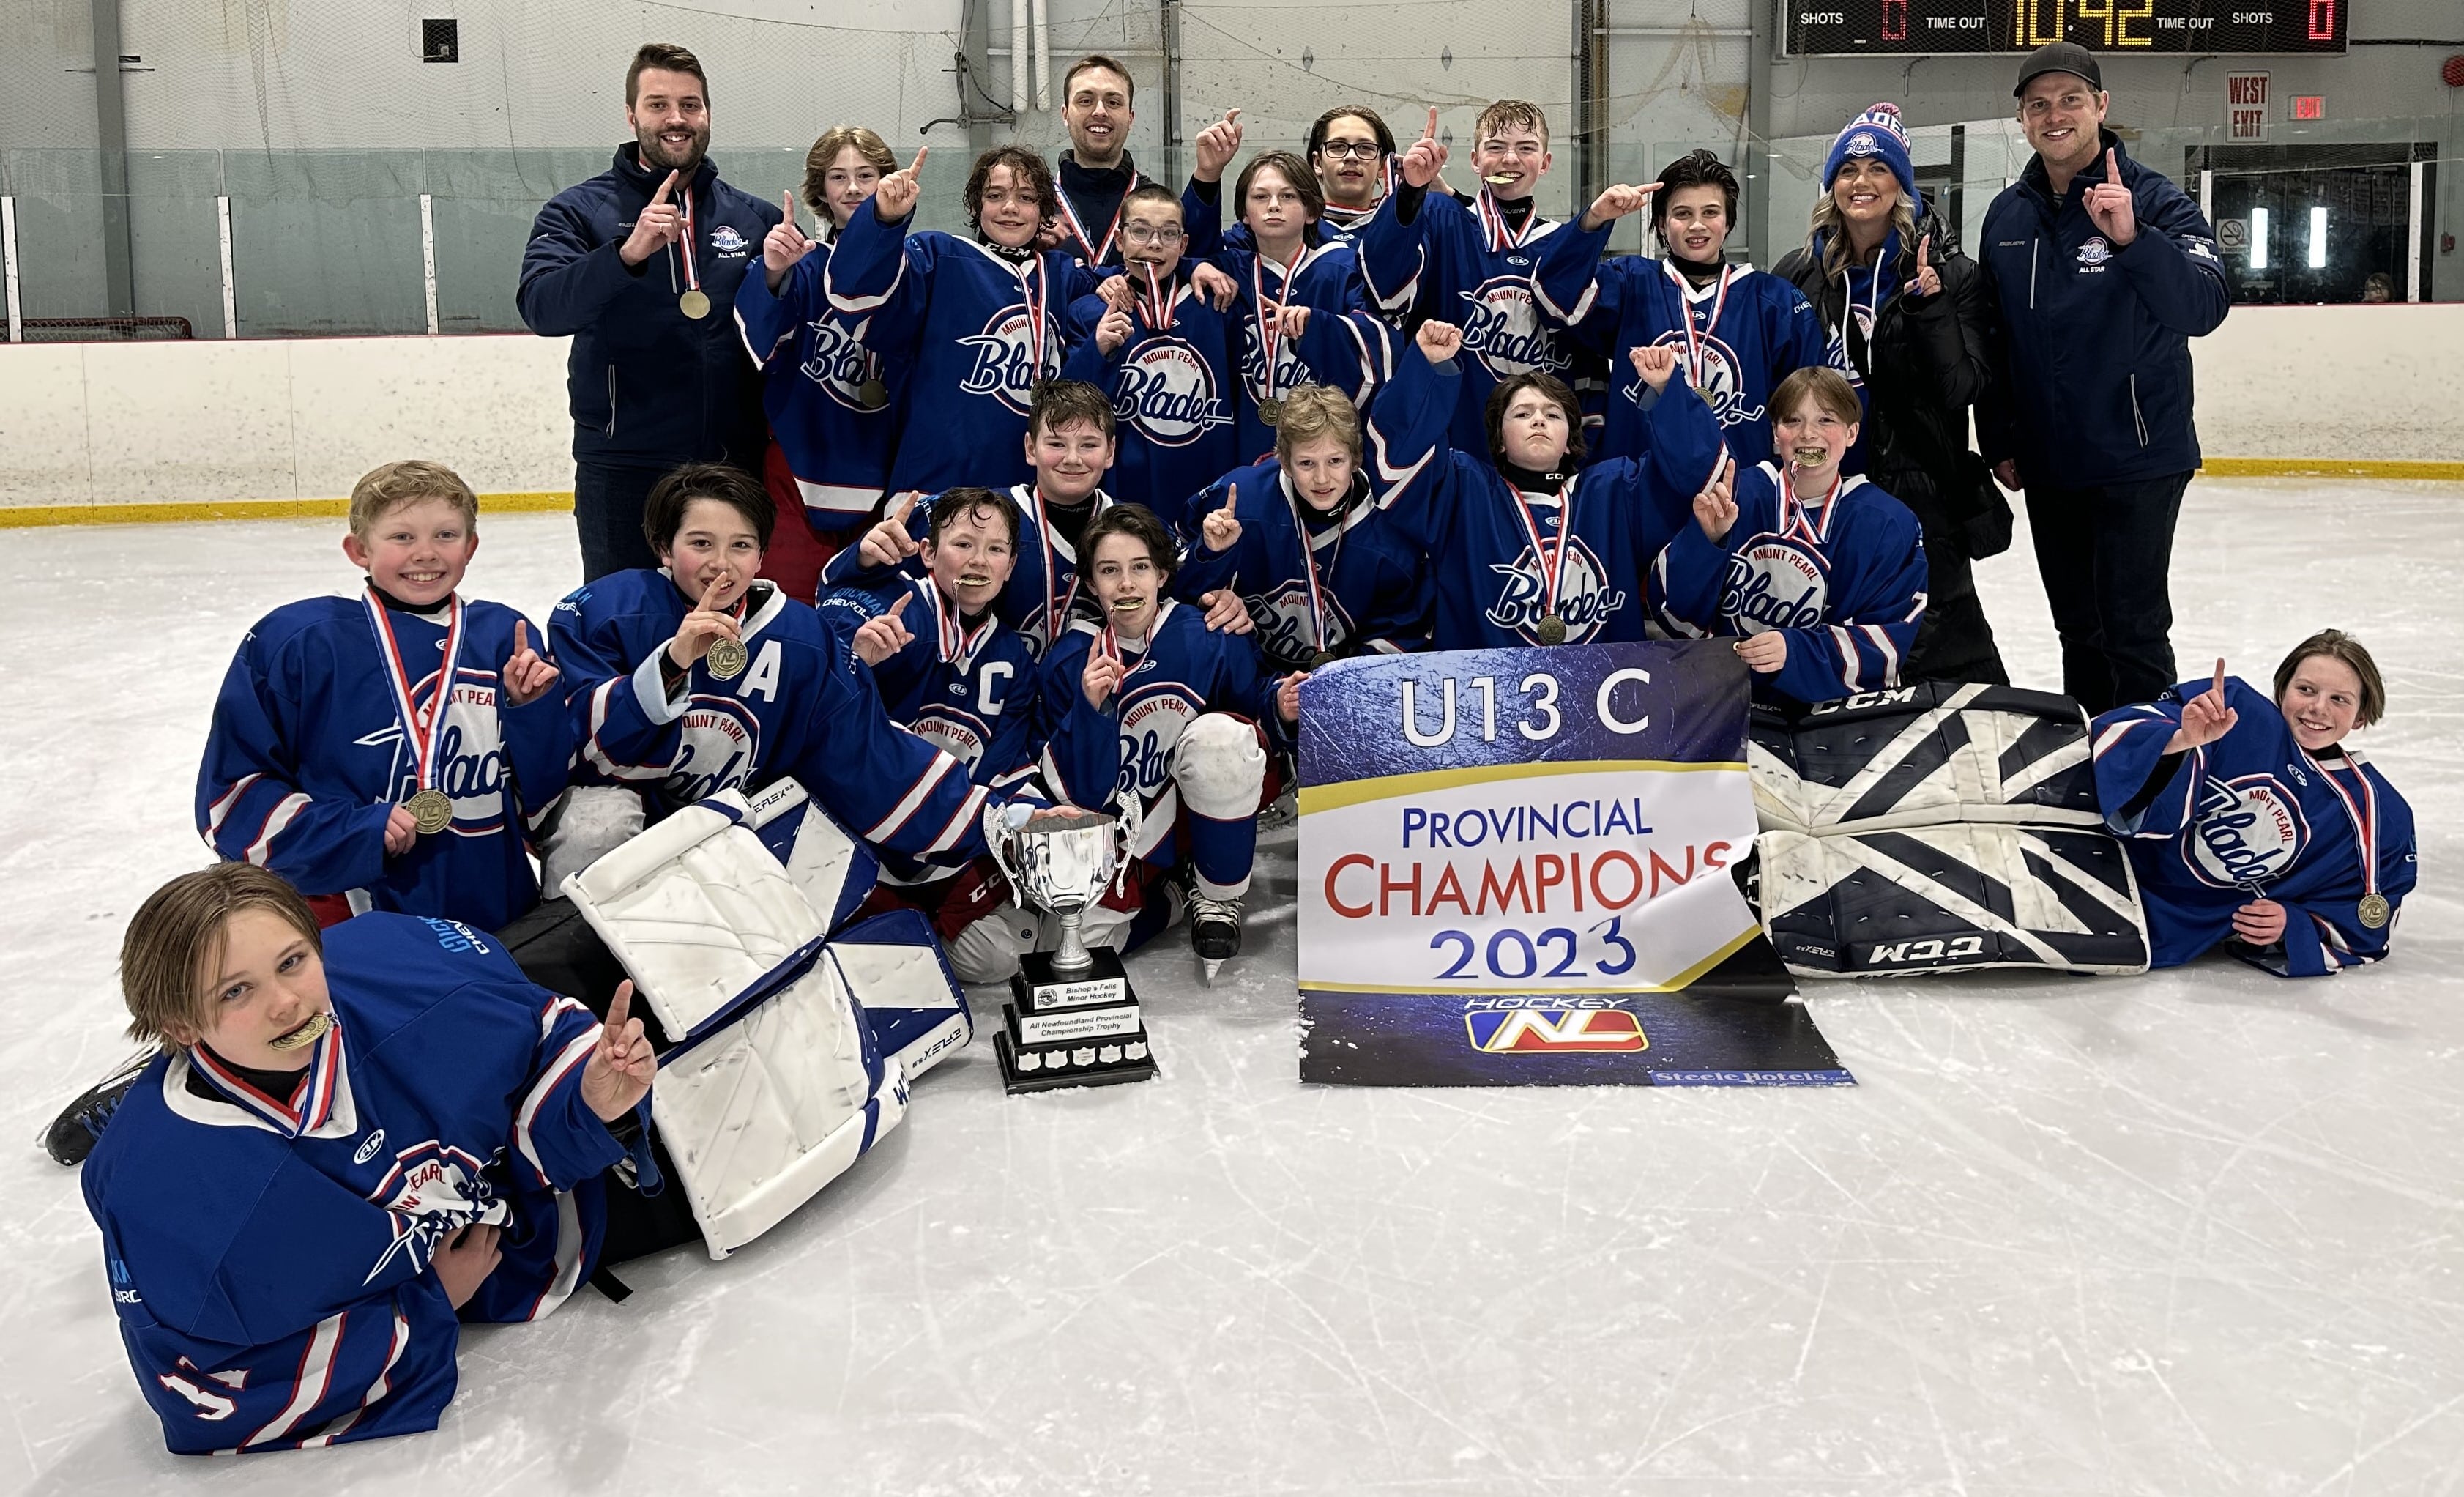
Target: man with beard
1095	174
631	265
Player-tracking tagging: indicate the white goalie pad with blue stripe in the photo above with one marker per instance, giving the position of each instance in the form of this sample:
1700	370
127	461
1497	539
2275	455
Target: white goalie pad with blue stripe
894	966
773	1085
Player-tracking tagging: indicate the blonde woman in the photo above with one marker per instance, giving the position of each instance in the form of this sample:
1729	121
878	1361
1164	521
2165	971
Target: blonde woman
1908	322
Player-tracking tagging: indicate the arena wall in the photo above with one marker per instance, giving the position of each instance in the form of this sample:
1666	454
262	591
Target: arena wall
182	431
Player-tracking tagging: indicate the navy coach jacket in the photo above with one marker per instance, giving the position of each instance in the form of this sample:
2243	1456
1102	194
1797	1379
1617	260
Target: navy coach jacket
2098	335
649	386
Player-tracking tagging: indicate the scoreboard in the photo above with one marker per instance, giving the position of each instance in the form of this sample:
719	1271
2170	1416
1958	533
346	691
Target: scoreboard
1852	28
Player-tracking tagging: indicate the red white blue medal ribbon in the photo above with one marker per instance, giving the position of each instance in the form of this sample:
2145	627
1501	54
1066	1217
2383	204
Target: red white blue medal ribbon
1552	563
1271	328
2362	810
425	733
1502	236
1037	297
1808	522
1159	301
1309	569
1695	341
692	269
1056	597
1096	253
959	644
310	1105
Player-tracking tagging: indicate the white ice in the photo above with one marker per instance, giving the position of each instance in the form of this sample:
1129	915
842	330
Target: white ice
2197	1232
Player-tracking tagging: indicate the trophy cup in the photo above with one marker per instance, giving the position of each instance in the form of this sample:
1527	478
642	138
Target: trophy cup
1073	1019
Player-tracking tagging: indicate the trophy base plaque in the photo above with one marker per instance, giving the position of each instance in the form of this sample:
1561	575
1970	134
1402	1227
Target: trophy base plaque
1075	1029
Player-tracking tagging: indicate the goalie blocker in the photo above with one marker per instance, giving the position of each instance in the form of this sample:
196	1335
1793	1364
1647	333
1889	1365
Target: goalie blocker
1939	827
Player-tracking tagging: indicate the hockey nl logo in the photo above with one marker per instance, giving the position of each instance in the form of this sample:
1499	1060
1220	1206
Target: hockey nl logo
1553	1031
1585	599
1502	327
1004	363
2247	831
1168	392
1719	378
840	365
1774	584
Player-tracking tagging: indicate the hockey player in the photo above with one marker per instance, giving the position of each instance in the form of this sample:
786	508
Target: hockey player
347	1145
1511	279
1167	366
831	409
392	748
1741	331
1525	549
1325	571
1352	154
1147	704
951	673
2250	823
967	328
697	677
1819	576
1283	262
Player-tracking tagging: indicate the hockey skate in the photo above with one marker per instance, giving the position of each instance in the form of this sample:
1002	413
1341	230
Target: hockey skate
72	1136
1213	933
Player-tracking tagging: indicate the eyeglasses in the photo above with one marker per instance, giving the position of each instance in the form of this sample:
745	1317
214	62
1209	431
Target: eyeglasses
1140	233
1350	151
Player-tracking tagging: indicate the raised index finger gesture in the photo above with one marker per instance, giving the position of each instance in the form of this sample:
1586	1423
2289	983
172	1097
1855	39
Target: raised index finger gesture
1217	145
1420	164
895	197
1221	528
2109	205
1715	509
526	676
783	246
1927	280
618	1074
657	226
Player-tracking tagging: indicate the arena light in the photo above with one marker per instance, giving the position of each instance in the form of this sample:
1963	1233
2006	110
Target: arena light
2319	238
2258	238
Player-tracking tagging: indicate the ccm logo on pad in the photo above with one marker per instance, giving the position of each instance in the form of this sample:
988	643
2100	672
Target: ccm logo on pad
1525	1031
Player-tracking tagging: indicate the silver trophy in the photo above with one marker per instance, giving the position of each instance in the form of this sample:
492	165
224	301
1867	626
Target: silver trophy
1073	1019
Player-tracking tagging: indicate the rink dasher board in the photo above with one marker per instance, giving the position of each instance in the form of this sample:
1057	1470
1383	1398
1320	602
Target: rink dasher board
1498	954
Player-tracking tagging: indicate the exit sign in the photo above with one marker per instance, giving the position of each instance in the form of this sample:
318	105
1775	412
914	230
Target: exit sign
2309	106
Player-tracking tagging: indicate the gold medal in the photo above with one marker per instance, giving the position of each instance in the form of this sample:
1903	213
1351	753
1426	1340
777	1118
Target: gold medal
873	394
431	811
695	303
726	659
1552	629
1321	659
2374	911
1270	410
306	1035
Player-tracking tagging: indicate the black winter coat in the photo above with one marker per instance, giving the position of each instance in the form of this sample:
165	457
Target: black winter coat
1930	359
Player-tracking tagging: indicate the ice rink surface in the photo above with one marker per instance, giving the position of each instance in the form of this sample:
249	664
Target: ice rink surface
2198	1232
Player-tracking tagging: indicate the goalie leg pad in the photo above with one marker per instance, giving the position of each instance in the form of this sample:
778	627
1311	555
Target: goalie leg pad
893	968
1950	899
1929	753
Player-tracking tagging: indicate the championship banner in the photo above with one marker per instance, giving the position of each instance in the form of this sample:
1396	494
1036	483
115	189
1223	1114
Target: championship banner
1517	868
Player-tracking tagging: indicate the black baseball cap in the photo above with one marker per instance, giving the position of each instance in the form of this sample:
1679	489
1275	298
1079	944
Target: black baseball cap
2061	56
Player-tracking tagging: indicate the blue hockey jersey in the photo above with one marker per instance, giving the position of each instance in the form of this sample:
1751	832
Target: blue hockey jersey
1096	754
1515	295
802	708
1356	581
1493	552
967	335
1173	391
1043	589
1845	578
1740	336
827	396
268	1257
1326	278
308	755
2253	816
970	693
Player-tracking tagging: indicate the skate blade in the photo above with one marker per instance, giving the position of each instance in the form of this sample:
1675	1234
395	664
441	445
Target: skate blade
1207	967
